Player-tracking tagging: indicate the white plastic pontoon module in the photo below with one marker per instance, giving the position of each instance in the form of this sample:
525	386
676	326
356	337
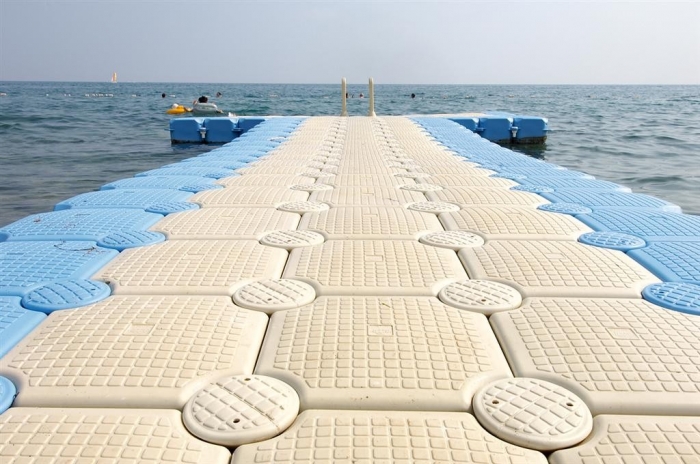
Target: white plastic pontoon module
557	268
515	223
481	196
289	239
371	222
195	267
482	296
367	196
375	267
134	351
248	196
394	353
274	295
421	187
225	223
452	239
533	413
234	411
637	439
378	437
55	435
622	356
369	180
255	180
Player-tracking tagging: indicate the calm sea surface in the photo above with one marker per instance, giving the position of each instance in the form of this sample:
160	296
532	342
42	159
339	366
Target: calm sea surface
58	140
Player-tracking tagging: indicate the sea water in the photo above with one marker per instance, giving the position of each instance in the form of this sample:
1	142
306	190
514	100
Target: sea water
58	140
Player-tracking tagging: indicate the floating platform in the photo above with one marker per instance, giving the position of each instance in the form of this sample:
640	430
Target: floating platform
352	289
503	128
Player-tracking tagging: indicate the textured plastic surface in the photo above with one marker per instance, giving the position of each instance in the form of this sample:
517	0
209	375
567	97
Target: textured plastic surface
456	180
15	322
557	268
514	222
238	410
368	437
273	180
485	196
671	261
185	169
248	196
226	223
155	200
572	209
374	267
201	267
57	435
7	394
134	351
525	172
480	296
367	196
559	183
613	240
369	353
434	207
289	239
25	266
649	225
273	295
636	439
620	356
532	413
185	183
452	239
601	200
677	296
111	228
370	222
65	294
303	207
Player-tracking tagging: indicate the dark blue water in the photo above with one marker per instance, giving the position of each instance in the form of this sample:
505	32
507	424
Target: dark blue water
61	139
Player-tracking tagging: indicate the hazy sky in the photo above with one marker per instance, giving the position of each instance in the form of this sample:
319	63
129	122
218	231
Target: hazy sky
416	42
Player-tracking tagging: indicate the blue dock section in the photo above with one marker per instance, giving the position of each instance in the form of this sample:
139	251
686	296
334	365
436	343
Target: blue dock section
352	289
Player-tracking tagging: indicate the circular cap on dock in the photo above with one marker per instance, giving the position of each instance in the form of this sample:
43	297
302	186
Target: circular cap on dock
130	239
289	239
413	175
435	207
242	409
533	413
613	240
421	187
453	239
8	391
304	207
678	296
532	188
311	187
482	296
273	295
565	208
65	294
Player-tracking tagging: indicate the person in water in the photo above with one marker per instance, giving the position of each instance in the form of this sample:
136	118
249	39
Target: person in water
413	95
162	95
208	107
218	94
